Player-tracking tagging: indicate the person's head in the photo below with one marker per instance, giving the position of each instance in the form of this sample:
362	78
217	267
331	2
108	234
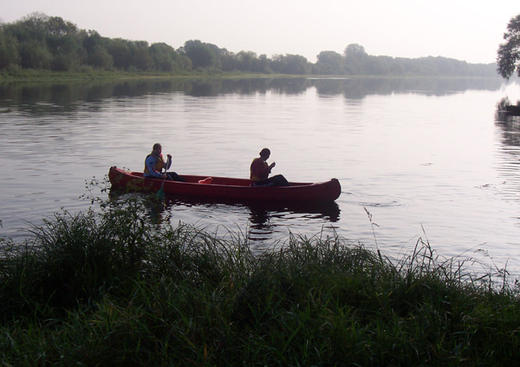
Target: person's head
157	148
265	153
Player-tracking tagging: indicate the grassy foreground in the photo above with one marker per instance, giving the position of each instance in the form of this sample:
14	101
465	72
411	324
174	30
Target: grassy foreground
110	288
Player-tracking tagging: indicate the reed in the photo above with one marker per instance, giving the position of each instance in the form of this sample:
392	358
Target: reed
112	288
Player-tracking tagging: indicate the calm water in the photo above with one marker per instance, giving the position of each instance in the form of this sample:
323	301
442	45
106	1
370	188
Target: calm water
426	158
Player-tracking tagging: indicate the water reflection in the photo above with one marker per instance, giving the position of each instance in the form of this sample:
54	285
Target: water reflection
207	88
41	98
263	218
508	127
359	88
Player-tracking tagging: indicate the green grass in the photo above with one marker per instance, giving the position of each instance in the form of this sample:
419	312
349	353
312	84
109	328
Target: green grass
89	74
111	288
30	75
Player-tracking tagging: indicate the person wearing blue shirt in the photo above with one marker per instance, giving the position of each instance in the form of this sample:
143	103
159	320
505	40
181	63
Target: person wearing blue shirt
154	165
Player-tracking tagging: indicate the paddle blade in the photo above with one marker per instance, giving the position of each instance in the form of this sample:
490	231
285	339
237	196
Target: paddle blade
160	194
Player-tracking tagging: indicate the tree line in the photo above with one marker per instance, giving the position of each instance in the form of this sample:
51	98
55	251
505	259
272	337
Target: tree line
46	42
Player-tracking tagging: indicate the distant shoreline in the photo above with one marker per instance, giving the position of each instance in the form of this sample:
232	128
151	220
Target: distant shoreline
52	44
32	75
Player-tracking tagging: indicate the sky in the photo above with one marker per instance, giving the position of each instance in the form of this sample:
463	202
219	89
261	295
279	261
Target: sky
469	30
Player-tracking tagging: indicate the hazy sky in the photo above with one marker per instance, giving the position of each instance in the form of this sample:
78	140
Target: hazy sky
468	30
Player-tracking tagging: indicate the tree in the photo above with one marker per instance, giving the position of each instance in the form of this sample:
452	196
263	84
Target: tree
228	61
356	59
35	56
200	54
329	62
97	55
163	57
141	59
120	52
290	64
8	50
184	62
355	51
246	60
508	58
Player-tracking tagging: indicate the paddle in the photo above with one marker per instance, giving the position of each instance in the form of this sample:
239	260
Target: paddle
160	193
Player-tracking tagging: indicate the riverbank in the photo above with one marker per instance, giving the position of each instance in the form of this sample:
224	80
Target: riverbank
93	75
111	288
47	76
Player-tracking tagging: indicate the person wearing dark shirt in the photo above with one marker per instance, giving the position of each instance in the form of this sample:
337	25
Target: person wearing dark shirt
260	170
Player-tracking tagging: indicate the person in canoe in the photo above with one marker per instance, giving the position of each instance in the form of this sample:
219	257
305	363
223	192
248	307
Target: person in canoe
154	165
260	170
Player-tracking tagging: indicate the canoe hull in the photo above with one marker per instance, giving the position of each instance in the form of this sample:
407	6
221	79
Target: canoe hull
224	188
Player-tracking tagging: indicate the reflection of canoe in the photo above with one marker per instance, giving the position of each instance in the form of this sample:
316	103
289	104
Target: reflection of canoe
262	212
226	188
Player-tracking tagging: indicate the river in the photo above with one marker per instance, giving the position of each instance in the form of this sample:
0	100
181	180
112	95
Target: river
416	158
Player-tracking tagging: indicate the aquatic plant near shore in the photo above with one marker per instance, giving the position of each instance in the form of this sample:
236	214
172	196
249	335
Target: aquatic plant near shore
113	288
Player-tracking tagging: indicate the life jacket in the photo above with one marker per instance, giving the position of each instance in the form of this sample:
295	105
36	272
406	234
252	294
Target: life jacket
159	164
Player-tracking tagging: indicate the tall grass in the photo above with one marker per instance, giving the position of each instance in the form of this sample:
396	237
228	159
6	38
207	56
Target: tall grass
111	288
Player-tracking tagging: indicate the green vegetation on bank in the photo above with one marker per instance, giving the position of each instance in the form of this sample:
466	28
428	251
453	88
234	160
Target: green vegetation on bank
41	42
111	288
49	76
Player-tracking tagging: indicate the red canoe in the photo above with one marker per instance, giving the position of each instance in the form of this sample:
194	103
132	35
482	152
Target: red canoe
224	188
